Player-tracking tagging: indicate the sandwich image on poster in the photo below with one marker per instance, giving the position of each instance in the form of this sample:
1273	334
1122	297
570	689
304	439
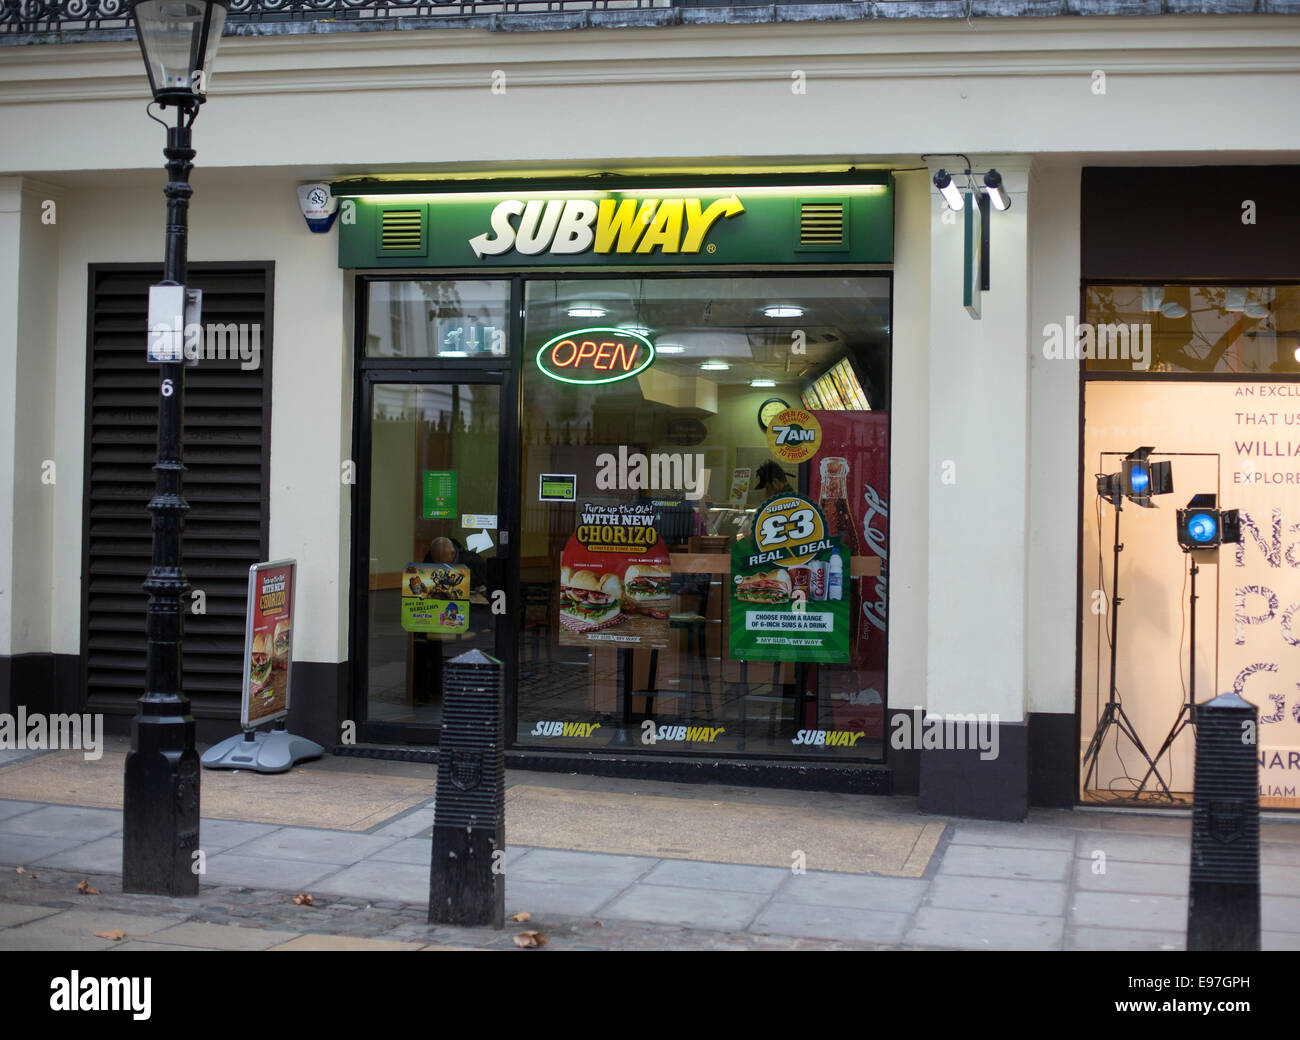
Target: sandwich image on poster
615	579
790	587
435	598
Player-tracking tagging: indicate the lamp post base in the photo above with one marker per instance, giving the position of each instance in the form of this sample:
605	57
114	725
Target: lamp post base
160	809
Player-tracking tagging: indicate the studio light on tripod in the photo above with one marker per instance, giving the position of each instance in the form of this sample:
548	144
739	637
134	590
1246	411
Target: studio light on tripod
1202	525
1137	480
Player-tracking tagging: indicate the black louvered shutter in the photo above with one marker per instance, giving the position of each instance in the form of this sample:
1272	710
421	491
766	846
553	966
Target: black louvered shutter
226	450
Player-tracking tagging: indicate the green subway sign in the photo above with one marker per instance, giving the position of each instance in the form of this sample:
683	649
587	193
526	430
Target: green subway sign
755	224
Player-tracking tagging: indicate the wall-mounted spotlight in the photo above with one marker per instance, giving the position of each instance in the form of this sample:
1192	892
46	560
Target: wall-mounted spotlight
949	191
993	185
1202	525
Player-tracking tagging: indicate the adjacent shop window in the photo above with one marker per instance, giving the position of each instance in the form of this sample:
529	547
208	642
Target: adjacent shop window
705	467
1237	439
1240	329
437	319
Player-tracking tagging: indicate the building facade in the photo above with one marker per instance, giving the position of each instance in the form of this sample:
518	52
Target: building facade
581	279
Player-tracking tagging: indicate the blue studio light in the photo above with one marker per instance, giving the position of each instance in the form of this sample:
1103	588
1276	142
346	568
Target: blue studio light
1139	479
1202	527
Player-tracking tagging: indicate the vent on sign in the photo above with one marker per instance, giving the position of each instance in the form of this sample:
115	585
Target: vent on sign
821	223
401	229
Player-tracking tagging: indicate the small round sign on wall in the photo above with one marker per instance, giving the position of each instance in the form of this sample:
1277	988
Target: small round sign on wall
794	435
599	355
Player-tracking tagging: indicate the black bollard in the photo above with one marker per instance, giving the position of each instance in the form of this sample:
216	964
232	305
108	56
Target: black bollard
1223	901
467	878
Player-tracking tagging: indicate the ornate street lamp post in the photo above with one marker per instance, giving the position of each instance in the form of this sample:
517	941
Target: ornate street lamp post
178	39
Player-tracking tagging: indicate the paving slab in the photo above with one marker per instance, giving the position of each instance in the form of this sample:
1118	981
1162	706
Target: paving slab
410	850
197	934
688	907
981	930
816	888
830	922
1141	823
65	821
1014	836
1274	941
143	946
377	880
1279	880
1125	910
78	927
415	824
1285	855
1279	913
94	857
1123	939
573	868
583	900
12	914
9	807
987	861
1139	848
230	868
1003	895
338	847
731	877
18	850
344	942
228	835
1160	879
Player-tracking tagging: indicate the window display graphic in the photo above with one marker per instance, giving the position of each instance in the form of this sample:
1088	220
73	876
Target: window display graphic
268	642
439	499
794	436
435	598
789	587
615	579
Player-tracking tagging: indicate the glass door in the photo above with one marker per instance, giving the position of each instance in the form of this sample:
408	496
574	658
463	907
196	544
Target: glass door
431	543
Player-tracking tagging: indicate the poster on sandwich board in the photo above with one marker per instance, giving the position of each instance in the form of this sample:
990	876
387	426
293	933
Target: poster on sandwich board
615	579
790	587
268	642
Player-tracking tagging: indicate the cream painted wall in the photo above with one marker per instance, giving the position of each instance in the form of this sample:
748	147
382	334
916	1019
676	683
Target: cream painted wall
231	218
28	362
362	101
909	469
1053	442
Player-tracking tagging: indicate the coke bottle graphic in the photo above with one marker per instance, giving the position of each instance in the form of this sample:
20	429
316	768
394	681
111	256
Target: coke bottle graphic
835	503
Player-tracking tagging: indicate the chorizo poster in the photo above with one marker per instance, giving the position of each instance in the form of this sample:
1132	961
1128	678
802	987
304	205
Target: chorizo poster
268	643
615	579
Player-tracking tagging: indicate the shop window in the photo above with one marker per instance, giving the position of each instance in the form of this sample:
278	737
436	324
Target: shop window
437	319
653	412
1234	434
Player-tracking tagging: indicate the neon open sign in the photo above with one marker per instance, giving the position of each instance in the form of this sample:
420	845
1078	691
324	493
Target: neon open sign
595	356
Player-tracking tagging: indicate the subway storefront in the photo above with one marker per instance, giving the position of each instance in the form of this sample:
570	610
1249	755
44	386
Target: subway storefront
633	442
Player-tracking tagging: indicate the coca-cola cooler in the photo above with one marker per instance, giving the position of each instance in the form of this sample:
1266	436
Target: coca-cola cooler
849	479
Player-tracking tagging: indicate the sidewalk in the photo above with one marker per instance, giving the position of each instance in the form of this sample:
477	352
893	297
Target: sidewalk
951	884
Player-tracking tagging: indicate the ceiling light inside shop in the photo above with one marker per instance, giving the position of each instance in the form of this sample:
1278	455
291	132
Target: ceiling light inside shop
783	311
1172	309
638	329
714	366
1255	310
762	383
669	348
587	312
1234	300
453	353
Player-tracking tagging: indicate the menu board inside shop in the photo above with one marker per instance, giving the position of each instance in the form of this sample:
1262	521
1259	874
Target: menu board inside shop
615	579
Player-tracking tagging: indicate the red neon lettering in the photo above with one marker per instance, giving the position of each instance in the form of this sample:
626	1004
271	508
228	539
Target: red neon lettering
628	358
606	354
555	356
584	353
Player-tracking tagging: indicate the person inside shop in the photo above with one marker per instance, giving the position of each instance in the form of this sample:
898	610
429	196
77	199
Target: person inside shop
772	480
448	550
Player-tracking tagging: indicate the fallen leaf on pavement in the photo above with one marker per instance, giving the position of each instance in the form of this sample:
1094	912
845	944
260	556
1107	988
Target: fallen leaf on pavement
528	940
302	899
20	870
116	933
522	916
86	889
